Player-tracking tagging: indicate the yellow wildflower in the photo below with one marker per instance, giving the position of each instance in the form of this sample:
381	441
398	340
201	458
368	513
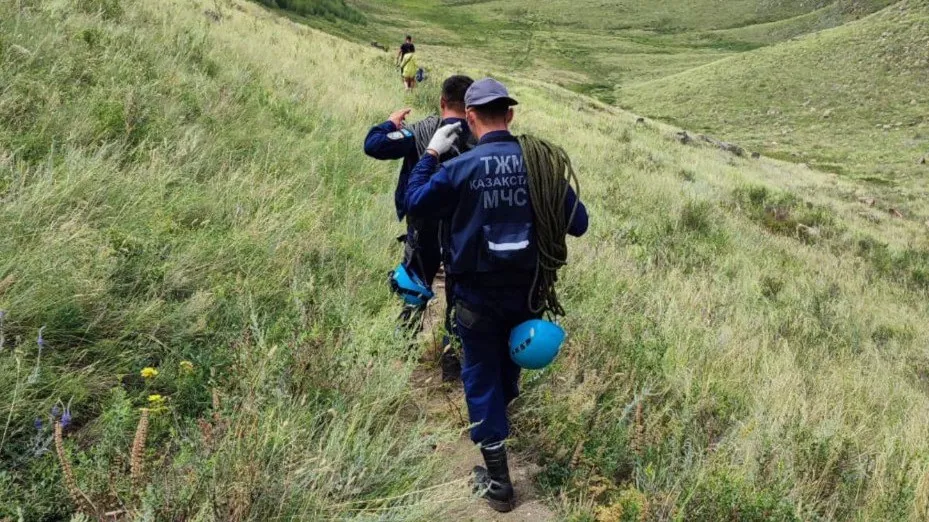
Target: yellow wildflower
149	372
187	367
156	404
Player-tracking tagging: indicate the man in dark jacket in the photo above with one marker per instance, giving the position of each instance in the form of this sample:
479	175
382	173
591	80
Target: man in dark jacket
491	255
392	140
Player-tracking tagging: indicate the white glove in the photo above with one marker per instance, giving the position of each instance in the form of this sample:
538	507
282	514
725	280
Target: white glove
444	138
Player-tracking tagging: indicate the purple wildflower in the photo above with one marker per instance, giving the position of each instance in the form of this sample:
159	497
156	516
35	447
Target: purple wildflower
40	341
56	411
38	424
66	418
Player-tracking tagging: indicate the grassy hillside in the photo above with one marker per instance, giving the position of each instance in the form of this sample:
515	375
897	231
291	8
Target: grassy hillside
813	82
180	189
586	43
183	188
851	100
731	69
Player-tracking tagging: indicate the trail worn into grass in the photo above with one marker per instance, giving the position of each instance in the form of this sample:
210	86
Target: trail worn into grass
445	404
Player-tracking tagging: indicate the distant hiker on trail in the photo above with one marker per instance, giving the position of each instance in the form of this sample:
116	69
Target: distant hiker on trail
406	61
405	48
506	206
422	254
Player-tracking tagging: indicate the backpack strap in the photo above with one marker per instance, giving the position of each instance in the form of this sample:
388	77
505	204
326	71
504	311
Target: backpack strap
424	130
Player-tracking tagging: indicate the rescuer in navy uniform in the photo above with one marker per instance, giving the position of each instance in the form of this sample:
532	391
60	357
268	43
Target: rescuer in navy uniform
490	258
393	140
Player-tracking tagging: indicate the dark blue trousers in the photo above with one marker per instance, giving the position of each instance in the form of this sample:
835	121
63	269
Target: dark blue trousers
483	320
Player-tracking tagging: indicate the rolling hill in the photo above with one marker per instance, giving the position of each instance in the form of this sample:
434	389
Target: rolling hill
827	83
851	99
592	43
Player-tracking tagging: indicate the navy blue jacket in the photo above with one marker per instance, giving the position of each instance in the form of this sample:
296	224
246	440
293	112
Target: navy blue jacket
483	195
387	142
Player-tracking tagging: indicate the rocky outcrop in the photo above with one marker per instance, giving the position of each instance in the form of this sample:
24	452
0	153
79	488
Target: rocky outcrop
724	145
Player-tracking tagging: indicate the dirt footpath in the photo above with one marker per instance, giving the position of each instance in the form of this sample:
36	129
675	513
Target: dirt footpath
445	403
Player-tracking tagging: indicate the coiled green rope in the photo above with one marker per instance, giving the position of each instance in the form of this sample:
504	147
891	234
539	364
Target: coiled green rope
550	175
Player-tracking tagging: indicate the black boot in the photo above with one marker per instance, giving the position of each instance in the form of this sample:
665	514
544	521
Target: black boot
493	482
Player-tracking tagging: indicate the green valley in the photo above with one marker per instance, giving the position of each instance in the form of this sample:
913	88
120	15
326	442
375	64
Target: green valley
839	85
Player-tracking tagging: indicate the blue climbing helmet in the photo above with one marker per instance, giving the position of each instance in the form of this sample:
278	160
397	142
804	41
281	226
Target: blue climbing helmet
534	344
409	286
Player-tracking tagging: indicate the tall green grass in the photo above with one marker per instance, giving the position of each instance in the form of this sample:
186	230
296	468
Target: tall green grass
182	182
724	364
165	199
